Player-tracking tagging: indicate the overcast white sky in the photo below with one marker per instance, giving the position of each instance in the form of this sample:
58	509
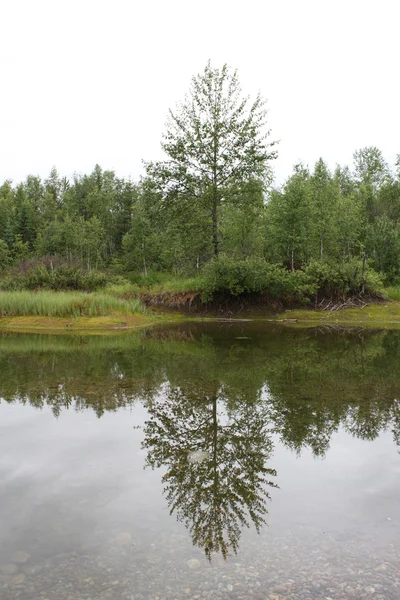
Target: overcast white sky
86	82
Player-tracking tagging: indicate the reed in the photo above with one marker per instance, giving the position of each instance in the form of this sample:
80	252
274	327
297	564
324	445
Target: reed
66	304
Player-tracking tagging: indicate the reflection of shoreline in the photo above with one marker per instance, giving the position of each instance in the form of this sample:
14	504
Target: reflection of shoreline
217	479
317	380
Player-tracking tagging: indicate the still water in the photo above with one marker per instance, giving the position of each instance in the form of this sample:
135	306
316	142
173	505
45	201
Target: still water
200	461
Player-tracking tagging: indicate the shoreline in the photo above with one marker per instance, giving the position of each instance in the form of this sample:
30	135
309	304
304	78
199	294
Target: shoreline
99	324
376	315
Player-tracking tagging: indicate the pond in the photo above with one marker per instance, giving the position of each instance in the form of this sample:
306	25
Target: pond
201	460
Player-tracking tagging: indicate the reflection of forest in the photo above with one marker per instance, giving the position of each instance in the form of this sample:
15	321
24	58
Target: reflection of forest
215	395
313	381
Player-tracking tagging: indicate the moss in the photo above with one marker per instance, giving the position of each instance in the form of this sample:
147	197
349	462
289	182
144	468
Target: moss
382	314
78	324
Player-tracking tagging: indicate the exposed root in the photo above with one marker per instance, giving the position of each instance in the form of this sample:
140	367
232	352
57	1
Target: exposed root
227	306
359	301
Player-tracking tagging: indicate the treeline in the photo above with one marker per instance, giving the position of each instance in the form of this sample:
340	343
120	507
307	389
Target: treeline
350	213
104	221
84	219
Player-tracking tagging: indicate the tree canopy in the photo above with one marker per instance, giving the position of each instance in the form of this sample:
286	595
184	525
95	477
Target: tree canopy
216	142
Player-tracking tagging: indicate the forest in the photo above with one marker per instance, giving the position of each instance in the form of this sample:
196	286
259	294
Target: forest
209	215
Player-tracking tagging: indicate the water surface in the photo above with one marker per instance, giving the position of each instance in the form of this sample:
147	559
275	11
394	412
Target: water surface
200	461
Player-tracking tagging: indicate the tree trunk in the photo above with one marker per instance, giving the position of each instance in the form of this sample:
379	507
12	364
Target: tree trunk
215	228
363	274
215	196
144	261
215	445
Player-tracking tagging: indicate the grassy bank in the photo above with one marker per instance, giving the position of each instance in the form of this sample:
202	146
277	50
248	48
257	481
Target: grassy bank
66	304
79	324
120	307
372	315
26	310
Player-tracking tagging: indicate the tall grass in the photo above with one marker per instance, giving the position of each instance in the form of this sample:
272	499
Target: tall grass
174	285
392	292
165	282
170	285
123	290
66	304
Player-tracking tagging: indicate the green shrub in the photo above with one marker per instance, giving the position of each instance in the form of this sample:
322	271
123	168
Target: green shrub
254	275
334	280
53	273
65	277
228	275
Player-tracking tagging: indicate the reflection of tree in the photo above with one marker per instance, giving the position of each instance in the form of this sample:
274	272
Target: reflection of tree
301	422
216	480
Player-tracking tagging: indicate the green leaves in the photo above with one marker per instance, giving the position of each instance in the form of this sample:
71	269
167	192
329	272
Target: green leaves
227	275
5	255
214	141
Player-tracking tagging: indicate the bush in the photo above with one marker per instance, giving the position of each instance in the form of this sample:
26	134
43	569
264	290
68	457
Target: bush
254	275
320	279
53	273
335	280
